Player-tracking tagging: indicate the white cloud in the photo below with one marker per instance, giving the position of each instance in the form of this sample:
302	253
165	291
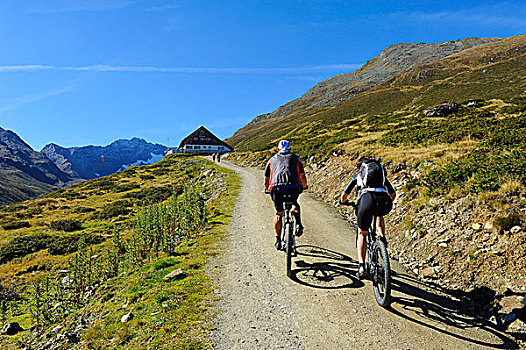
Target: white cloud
27	99
58	6
502	14
188	70
164	8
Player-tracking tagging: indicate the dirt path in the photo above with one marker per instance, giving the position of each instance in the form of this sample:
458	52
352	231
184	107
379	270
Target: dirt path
323	306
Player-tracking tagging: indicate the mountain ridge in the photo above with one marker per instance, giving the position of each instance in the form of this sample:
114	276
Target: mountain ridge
24	172
86	161
348	85
458	76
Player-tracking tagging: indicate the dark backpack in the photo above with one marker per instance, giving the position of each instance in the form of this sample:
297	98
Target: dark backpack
372	174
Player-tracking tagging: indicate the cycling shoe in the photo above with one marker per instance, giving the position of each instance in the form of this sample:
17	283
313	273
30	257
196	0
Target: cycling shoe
299	230
279	245
361	273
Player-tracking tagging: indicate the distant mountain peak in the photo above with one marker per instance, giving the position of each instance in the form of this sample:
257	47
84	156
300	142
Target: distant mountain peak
86	161
25	173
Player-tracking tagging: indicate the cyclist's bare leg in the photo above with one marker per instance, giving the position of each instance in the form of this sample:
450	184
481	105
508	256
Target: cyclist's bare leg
277	223
297	214
361	246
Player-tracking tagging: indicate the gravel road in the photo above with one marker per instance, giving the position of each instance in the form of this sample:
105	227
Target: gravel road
323	306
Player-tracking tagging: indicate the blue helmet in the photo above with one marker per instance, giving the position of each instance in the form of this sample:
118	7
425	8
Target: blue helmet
283	146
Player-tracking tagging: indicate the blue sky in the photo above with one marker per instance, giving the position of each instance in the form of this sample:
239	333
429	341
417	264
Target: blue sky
89	72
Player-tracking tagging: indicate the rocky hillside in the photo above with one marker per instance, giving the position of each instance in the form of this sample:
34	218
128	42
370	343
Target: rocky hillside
25	173
390	63
394	81
86	162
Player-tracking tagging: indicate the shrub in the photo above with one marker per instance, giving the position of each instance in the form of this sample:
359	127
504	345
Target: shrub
478	171
127	187
506	222
29	213
155	194
70	243
146	177
101	184
23	245
160	227
165	263
115	209
83	210
67	225
14	225
9	293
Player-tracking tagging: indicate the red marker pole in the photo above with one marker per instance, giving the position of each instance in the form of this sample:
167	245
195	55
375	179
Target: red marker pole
102	165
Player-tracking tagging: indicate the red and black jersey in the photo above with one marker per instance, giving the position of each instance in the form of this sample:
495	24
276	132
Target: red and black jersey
284	171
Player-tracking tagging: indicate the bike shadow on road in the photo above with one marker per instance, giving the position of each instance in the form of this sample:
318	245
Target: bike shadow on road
432	307
326	269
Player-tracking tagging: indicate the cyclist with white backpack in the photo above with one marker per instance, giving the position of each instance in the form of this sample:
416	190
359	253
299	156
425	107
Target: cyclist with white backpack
376	196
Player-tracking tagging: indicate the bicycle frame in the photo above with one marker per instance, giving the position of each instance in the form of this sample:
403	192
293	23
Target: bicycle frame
369	240
377	264
288	233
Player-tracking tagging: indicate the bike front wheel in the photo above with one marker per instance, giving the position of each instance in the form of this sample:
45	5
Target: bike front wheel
288	247
381	274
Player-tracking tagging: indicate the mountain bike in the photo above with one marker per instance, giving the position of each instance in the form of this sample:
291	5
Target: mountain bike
288	231
377	266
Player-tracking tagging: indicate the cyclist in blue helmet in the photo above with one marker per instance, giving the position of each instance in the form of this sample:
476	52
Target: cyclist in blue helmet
284	175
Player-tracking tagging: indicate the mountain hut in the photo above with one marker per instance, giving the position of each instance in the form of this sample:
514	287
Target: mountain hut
203	141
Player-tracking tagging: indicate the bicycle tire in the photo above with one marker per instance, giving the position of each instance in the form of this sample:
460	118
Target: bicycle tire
381	274
288	247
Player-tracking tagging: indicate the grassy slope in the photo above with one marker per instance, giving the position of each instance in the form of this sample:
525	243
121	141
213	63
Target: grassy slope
167	314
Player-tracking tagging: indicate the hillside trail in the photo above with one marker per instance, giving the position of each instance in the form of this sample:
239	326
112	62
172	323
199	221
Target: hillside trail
323	305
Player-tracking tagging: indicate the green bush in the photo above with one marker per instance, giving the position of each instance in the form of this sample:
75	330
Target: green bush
15	225
114	209
155	194
506	222
29	213
127	187
165	263
69	243
67	225
23	245
479	171
160	227
83	210
103	184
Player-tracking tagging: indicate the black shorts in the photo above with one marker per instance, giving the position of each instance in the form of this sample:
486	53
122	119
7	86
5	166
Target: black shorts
281	196
372	203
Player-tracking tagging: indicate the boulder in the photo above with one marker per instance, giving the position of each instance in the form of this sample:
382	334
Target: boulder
11	328
515	229
175	274
428	272
488	226
127	317
476	226
441	110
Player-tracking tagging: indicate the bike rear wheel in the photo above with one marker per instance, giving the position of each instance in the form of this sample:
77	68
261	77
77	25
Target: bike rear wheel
288	247
381	274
